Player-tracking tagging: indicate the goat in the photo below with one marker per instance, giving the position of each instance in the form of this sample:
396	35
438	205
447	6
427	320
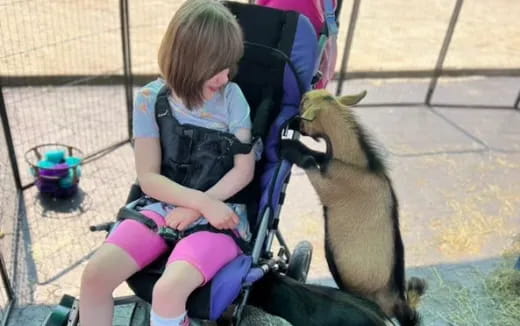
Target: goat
363	244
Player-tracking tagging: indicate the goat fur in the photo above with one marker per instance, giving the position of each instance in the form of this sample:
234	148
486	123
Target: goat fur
313	305
363	244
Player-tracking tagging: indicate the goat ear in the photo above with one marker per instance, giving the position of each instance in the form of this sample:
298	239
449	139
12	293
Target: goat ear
350	100
310	113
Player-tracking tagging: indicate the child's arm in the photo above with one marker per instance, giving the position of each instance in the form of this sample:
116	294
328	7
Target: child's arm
240	175
148	164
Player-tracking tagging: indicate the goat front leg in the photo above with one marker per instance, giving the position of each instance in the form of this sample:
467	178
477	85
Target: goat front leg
296	152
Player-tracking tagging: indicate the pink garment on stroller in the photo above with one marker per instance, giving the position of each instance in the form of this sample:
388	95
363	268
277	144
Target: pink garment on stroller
315	11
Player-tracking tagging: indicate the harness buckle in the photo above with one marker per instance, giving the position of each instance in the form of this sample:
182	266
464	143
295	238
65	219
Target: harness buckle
170	235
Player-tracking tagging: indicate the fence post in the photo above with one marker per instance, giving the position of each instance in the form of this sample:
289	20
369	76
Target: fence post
9	142
444	49
14	166
348	44
127	62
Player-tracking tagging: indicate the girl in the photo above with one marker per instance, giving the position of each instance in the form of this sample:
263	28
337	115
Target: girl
197	56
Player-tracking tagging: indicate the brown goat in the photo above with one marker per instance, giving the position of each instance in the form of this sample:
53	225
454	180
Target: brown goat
363	244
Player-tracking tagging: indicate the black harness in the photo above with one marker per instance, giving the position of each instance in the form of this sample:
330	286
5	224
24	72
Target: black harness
195	157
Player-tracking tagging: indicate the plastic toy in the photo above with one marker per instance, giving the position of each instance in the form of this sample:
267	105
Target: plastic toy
57	171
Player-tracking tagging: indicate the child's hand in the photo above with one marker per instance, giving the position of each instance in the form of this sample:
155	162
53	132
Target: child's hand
220	215
180	218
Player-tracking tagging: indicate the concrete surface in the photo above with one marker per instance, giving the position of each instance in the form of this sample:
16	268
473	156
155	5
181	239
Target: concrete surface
456	172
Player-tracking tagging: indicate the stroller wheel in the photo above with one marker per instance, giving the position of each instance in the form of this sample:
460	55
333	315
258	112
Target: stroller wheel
300	261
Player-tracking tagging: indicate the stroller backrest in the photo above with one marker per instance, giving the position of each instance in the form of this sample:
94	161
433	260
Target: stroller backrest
276	70
280	52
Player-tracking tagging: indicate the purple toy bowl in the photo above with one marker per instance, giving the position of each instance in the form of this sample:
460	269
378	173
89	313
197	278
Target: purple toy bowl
56	168
56	172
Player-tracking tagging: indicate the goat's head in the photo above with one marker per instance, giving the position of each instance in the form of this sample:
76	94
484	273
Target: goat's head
318	106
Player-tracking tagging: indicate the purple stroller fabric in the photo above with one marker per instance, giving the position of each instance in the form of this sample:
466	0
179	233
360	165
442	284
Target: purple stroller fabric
226	285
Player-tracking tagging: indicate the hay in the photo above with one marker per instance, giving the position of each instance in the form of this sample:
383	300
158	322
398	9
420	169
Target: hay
470	227
460	305
494	298
504	289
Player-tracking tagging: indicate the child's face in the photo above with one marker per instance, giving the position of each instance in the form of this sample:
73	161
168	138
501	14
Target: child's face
214	84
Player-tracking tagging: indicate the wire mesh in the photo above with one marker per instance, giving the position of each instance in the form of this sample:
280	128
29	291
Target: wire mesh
61	65
53	56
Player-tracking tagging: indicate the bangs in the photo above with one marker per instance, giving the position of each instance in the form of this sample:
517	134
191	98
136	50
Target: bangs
202	42
223	49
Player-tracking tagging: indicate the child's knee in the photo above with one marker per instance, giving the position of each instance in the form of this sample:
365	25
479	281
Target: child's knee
166	286
97	278
92	277
180	278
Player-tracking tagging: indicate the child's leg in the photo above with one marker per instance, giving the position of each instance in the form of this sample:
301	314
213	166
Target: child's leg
118	258
194	261
171	291
108	268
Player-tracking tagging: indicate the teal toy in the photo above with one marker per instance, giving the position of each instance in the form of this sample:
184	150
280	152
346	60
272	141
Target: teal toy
45	164
41	165
68	181
55	156
74	162
56	168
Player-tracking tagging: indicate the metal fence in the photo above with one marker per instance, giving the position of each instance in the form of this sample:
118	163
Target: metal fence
68	71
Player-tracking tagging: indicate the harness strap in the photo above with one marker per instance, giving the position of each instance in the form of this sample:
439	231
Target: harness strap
164	112
127	213
263	114
172	236
241	148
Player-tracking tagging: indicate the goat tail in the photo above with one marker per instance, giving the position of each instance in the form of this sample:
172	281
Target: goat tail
406	311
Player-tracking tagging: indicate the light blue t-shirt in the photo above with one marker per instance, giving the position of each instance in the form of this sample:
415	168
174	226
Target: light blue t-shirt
227	111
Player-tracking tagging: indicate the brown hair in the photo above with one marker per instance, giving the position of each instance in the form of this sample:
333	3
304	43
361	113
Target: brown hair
202	39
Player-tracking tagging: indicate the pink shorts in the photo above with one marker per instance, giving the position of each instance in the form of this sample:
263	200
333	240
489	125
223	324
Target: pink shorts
207	251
